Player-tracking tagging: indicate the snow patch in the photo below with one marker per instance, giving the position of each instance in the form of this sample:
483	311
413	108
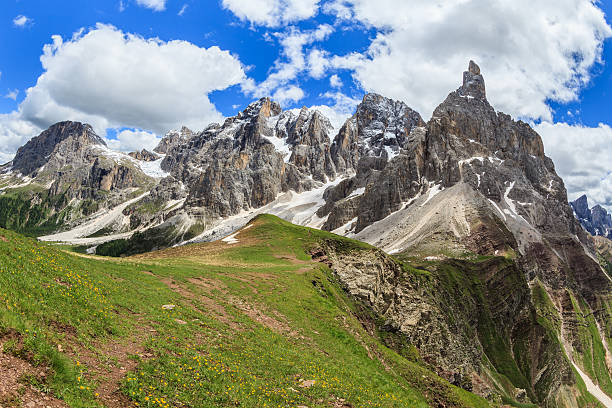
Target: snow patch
150	168
231	239
391	153
433	258
280	145
433	191
594	389
471	159
356	193
497	208
298	208
346	228
494	159
509	202
153	168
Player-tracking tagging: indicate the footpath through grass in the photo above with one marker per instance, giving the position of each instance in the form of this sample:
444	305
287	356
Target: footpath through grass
250	324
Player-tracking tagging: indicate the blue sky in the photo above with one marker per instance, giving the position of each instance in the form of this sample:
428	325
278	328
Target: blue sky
135	69
203	23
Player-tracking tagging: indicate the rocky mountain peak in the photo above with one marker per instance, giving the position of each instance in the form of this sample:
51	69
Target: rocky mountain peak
581	207
595	220
64	138
173	138
473	83
310	128
264	108
384	125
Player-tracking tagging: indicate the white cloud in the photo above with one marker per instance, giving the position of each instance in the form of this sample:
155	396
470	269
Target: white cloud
339	9
22	21
335	81
156	5
12	94
317	63
287	95
111	80
272	13
13	133
293	60
529	52
133	140
340	110
582	157
183	9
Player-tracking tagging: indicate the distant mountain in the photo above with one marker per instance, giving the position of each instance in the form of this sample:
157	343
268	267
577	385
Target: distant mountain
471	184
595	220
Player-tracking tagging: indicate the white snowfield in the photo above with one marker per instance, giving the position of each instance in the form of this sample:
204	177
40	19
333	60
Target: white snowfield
594	389
151	169
101	219
231	239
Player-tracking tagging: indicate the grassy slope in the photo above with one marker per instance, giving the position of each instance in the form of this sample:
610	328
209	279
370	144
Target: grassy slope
253	323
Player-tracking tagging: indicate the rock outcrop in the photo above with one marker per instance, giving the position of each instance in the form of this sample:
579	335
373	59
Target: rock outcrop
144	155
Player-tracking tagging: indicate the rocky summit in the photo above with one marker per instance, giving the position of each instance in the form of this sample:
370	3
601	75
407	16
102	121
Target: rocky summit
595	220
478	270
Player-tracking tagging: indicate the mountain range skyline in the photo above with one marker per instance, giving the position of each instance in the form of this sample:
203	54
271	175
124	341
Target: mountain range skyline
137	69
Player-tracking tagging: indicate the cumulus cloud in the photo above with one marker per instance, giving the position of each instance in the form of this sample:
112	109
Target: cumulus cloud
335	81
14	131
133	140
156	5
340	108
530	52
22	21
287	95
272	13
293	60
111	79
317	63
582	157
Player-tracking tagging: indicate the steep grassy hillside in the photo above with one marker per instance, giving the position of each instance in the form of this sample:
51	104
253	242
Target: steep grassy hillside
253	323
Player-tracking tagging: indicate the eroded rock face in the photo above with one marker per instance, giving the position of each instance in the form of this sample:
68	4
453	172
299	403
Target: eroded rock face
252	158
381	127
500	194
174	138
464	318
65	143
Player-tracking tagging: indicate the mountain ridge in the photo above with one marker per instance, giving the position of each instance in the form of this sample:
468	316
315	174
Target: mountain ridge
470	192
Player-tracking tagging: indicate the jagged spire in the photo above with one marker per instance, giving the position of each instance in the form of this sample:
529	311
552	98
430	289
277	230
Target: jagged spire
473	82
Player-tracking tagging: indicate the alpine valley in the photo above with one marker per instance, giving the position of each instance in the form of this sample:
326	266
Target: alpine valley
273	260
